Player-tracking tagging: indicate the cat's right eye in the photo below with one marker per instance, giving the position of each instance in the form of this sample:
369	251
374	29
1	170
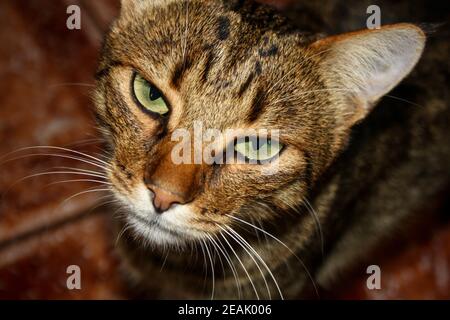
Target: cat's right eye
148	96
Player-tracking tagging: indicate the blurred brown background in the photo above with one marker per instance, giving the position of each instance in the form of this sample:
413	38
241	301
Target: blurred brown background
45	79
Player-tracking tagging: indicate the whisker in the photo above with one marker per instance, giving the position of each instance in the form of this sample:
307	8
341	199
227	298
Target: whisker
284	245
121	233
46	174
99	161
56	156
256	231
265	235
105	156
71	84
242	265
80	180
301	94
205	264
82	193
315	217
242	244
403	100
216	252
100	174
230	263
317	222
103	203
258	256
84	142
164	261
296	96
212	269
57	172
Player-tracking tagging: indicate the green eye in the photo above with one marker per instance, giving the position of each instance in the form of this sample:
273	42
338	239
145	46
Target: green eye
148	96
257	150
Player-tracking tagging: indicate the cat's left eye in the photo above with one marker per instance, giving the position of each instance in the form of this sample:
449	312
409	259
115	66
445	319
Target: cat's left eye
148	96
258	150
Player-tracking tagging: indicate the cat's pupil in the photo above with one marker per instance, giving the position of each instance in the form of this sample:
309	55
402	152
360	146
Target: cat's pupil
154	94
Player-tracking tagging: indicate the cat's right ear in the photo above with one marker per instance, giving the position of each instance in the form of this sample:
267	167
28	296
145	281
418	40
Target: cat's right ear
363	66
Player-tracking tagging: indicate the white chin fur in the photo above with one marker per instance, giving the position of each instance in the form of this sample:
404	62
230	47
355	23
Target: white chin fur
170	228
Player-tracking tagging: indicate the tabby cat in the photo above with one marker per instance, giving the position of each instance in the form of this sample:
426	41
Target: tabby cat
348	173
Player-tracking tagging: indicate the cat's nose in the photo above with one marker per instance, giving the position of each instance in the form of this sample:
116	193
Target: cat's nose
163	200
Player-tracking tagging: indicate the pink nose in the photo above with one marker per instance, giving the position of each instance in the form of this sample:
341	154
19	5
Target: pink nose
163	199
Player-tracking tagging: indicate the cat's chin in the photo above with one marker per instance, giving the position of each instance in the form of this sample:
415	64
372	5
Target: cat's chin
152	232
156	231
172	228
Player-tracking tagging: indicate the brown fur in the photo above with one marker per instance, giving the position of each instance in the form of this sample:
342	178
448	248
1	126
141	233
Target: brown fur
241	65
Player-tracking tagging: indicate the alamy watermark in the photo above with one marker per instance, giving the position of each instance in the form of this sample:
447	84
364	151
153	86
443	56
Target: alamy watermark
373	282
73	22
73	281
232	146
374	20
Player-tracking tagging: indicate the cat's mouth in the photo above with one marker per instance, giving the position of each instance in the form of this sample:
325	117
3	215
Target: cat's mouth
158	230
173	227
155	230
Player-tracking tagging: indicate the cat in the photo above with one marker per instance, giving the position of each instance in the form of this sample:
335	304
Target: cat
349	171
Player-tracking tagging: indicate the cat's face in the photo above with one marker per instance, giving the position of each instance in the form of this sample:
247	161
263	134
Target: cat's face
171	66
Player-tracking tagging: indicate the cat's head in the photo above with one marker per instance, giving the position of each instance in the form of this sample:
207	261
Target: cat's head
171	66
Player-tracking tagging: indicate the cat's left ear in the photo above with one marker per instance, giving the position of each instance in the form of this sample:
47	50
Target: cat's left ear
366	65
128	6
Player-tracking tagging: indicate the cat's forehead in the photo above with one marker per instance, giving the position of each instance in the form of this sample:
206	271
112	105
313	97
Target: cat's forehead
229	59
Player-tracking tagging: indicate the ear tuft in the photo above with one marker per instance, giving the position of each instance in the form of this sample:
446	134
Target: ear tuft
368	64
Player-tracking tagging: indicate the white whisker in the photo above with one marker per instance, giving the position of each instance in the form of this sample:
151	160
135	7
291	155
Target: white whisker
243	245
205	264
80	180
216	252
230	263
57	156
212	269
82	193
97	173
72	84
284	245
164	261
242	265
121	233
99	161
50	173
259	258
